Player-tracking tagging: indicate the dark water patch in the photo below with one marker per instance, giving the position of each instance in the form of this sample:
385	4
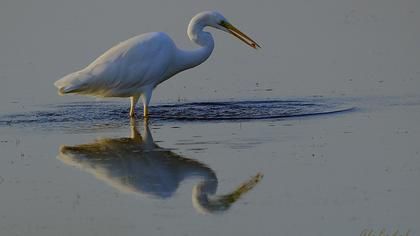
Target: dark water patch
244	110
100	115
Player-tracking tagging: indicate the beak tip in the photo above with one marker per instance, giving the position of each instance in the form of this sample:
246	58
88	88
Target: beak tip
256	46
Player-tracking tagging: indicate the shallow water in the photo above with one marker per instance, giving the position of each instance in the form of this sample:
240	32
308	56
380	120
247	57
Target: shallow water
345	166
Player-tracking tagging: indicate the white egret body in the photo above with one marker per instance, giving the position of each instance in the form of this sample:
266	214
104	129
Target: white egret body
133	68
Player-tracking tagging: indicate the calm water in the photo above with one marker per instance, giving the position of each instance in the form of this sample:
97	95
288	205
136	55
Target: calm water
70	169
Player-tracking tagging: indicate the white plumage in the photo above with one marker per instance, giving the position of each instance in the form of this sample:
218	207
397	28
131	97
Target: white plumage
124	69
133	68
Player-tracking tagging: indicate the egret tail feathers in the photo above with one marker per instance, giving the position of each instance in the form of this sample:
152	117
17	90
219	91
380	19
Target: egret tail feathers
68	89
70	83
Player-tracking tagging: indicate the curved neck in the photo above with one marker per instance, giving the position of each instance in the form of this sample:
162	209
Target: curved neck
189	59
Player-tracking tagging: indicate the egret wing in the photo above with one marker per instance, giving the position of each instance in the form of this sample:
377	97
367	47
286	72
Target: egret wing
126	68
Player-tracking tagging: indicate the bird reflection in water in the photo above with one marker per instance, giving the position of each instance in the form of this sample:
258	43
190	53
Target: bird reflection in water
137	165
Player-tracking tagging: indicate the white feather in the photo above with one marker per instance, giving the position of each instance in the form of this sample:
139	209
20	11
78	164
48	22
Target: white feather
124	70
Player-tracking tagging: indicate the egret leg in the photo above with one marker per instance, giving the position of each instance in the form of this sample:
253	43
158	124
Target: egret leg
146	99
134	100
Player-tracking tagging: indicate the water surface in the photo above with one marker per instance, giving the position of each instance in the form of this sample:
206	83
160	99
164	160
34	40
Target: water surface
85	169
75	114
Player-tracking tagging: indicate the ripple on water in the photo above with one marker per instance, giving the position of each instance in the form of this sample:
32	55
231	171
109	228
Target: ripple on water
112	112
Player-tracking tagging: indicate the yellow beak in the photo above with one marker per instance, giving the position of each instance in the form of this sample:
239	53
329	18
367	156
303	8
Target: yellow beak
237	33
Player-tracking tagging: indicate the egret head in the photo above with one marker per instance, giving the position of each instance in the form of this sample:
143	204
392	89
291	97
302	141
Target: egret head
216	20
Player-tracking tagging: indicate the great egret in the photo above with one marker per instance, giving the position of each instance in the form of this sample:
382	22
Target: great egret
133	68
